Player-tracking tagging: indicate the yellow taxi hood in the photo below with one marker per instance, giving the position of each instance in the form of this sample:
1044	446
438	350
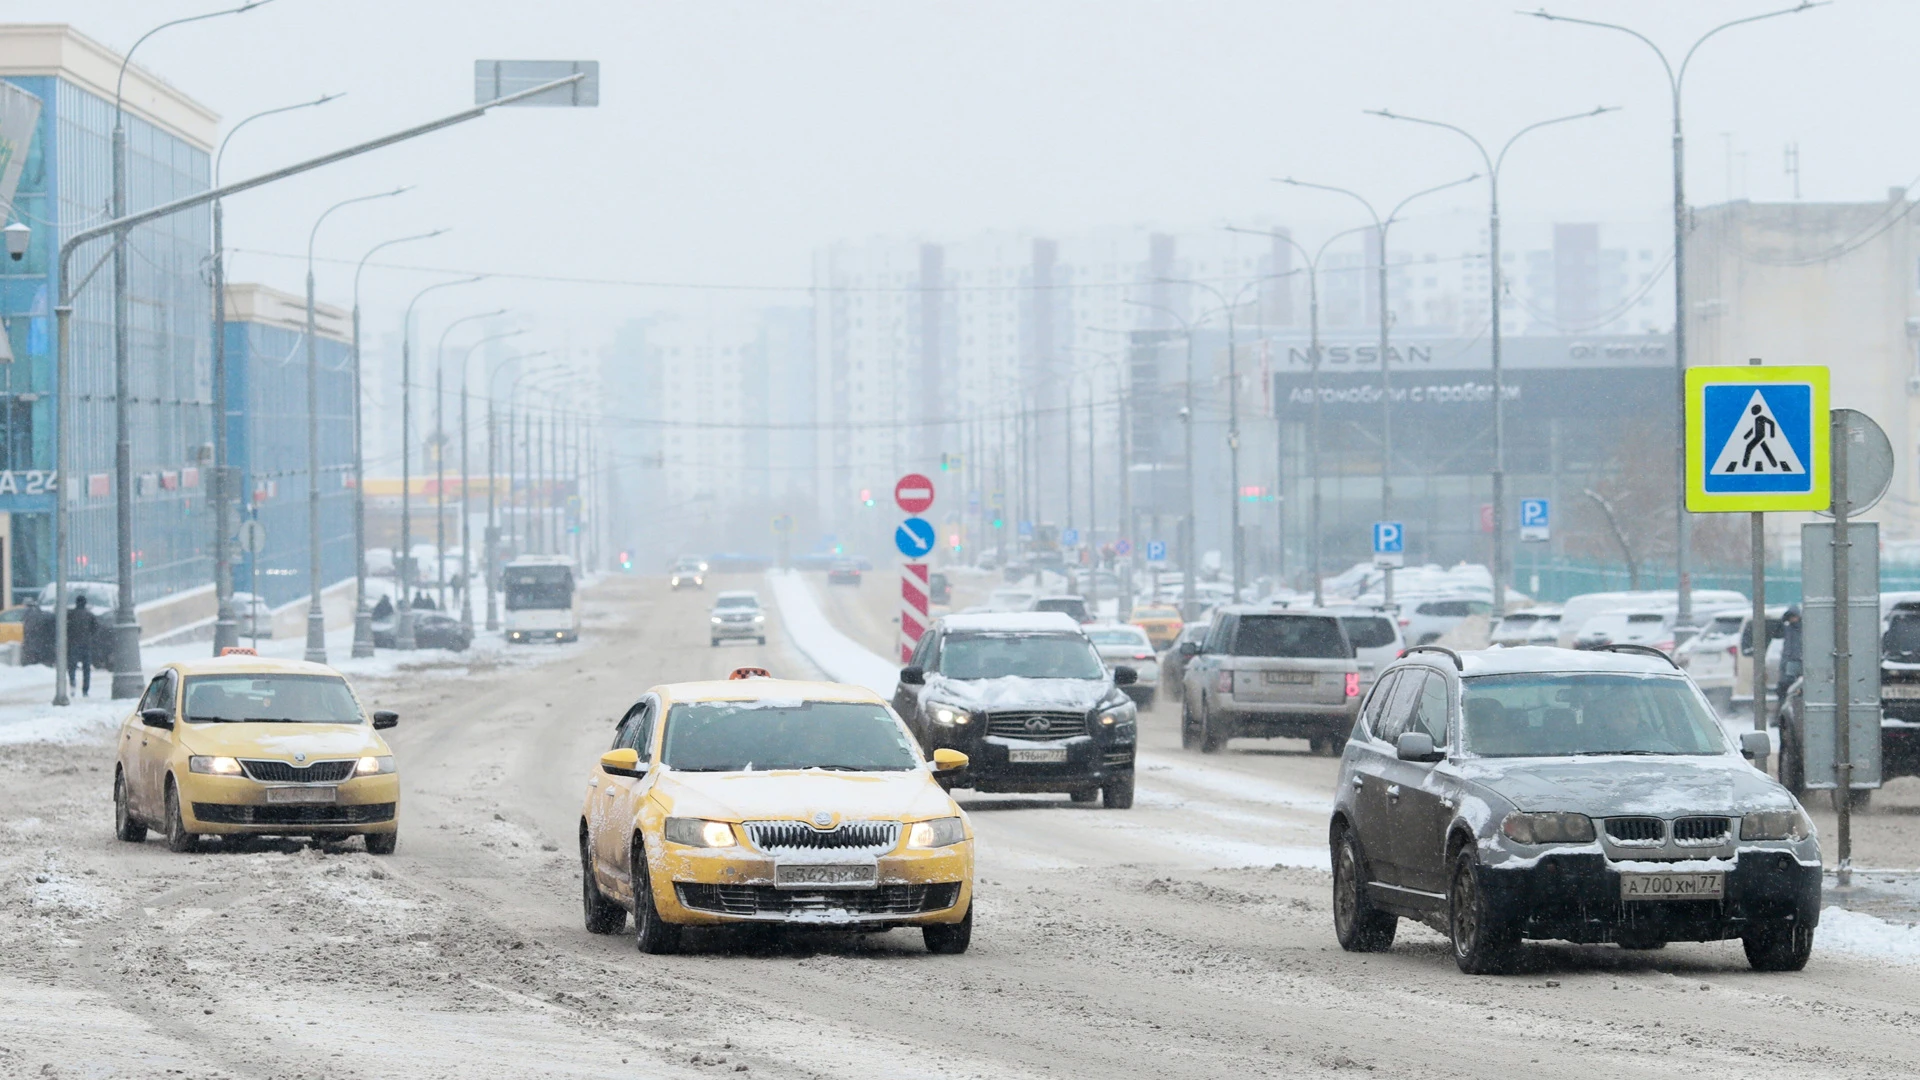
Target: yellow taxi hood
801	794
280	742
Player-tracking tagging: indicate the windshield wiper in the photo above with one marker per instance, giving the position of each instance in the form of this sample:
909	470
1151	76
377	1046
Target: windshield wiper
1623	753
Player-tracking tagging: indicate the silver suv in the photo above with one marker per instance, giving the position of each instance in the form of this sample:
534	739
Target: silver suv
1268	673
737	615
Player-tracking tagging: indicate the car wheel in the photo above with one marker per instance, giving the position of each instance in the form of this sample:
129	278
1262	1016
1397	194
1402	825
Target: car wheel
1084	795
1118	794
1779	946
382	843
949	939
1146	699
715	643
651	933
603	915
1316	745
1189	730
125	825
763	640
1213	734
1484	940
1359	927
179	840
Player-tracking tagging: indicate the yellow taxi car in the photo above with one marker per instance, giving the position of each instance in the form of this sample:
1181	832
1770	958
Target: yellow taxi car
245	746
1161	622
755	800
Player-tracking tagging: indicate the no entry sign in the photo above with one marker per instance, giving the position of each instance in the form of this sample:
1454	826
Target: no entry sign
914	493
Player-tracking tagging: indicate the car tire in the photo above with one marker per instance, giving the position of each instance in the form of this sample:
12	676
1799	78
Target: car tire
603	916
125	826
763	641
382	843
1189	729
179	840
1357	925
1485	942
1317	745
1778	946
651	933
1213	735
715	643
949	939
1793	766
1084	795
1118	794
1145	700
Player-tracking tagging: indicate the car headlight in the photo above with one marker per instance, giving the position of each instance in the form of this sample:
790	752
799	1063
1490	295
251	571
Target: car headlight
1776	825
715	618
948	715
940	832
215	766
1553	828
695	832
759	618
371	765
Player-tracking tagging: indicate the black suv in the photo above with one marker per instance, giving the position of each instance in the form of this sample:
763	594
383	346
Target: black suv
1026	697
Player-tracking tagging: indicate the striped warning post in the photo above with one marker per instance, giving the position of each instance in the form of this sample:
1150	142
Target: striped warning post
914	606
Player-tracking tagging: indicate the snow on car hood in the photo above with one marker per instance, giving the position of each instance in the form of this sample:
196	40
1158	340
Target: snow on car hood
283	741
791	794
1012	691
1602	786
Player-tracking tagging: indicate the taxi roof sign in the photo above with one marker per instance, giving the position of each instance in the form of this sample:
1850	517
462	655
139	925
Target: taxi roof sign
1757	439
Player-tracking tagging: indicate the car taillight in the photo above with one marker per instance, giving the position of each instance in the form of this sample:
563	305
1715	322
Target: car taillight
1406	622
1665	647
1733	651
1353	684
1223	683
1143	656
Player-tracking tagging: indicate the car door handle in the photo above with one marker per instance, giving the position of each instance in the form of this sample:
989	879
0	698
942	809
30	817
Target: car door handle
611	790
1393	791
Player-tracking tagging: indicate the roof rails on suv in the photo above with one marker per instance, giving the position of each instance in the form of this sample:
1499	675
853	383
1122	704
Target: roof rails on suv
1645	650
1441	649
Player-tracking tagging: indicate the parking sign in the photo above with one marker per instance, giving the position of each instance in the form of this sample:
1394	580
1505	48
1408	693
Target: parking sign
1156	551
1534	520
1757	439
1389	544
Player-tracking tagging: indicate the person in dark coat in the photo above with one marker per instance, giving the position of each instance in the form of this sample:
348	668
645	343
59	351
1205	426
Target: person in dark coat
37	629
82	630
1791	653
383	609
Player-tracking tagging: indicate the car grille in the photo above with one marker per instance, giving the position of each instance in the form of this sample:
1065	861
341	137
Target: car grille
1118	759
285	772
766	900
736	618
1036	725
1702	830
1636	830
228	814
871	837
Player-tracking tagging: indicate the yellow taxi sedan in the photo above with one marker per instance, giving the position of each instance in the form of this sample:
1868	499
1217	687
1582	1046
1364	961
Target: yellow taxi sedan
1161	622
768	801
247	746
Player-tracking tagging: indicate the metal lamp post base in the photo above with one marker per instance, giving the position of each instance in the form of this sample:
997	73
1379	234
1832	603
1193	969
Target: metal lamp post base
362	633
316	637
128	682
403	631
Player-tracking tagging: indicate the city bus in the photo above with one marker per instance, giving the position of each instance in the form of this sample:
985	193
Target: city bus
542	601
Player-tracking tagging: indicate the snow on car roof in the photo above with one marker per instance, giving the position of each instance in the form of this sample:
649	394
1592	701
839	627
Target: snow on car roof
1012	622
1546	658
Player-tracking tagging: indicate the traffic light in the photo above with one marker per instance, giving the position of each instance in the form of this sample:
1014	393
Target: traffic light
626	560
866	496
943	463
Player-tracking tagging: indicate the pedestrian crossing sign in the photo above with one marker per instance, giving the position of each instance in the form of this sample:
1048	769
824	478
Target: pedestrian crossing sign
1757	439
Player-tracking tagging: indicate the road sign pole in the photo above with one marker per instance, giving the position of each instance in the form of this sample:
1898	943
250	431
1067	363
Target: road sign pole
1842	675
1757	625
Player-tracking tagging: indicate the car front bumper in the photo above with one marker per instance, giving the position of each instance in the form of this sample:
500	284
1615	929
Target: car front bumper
739	630
238	805
1089	762
1576	897
709	887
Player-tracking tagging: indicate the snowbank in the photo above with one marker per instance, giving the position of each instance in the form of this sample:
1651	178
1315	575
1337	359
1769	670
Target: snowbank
836	654
1864	935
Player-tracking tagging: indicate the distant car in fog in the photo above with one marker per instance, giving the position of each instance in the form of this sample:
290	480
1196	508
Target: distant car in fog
1538	625
844	572
1011	600
1270	673
939	589
737	615
1631	627
689	573
1119	643
1173	670
1161	622
1375	637
1425	620
431	630
1075	607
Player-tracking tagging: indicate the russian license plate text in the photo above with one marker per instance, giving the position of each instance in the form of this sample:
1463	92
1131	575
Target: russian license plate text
301	794
1673	886
1054	754
826	875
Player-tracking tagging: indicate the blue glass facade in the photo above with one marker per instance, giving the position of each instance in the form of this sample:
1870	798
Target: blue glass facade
66	187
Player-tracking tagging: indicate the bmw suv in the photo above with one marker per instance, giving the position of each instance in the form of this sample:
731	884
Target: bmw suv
1027	698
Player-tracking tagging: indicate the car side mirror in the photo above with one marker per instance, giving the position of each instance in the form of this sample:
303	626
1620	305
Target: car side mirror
913	676
160	718
383	719
948	760
1124	675
1416	746
1189	649
1755	744
622	762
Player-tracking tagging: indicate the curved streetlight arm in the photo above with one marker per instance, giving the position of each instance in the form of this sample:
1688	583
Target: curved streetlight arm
315	231
235	129
1402	205
1501	159
407	319
440	349
1676	78
119	83
362	265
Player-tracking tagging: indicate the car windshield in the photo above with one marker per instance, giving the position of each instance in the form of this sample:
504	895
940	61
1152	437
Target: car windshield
1557	714
1368	631
1902	639
736	601
757	736
1026	656
1118	637
1310	637
277	699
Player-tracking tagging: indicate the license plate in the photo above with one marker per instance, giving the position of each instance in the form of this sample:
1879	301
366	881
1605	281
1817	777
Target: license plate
301	795
1673	886
1288	677
826	875
1900	690
1043	755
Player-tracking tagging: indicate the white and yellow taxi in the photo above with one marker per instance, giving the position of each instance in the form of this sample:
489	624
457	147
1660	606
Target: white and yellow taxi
758	800
242	745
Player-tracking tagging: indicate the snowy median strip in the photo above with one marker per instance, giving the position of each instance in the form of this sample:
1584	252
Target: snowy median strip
838	656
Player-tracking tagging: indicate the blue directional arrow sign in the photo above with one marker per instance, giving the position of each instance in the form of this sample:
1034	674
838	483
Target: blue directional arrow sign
914	537
1535	519
1156	551
1389	543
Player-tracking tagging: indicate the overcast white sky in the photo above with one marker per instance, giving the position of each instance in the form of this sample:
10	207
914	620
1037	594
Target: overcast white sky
733	138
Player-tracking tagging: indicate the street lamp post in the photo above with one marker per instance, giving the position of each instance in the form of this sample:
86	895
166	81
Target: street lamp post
440	452
127	679
316	611
362	616
1493	163
1386	375
493	525
1682	524
403	560
466	485
220	492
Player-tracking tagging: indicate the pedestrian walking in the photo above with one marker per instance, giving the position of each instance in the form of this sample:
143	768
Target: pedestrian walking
82	628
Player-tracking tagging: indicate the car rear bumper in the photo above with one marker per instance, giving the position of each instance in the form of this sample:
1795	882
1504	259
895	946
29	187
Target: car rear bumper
1287	720
1577	898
